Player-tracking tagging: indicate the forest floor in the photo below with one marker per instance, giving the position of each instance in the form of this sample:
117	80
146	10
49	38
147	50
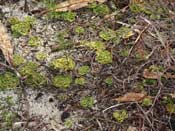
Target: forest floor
104	67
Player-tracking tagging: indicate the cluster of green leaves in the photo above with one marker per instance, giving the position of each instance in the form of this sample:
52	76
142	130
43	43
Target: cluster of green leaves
19	27
34	78
8	80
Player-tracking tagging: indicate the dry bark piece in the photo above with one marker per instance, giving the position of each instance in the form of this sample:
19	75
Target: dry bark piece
131	97
5	44
70	5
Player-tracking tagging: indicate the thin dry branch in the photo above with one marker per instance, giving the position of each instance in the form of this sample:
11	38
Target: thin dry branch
70	5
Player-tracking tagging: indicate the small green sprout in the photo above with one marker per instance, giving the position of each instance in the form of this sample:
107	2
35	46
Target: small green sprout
147	102
83	70
41	56
79	30
65	63
149	82
101	9
120	115
87	102
34	41
107	34
109	81
18	60
104	57
80	81
68	123
62	81
8	80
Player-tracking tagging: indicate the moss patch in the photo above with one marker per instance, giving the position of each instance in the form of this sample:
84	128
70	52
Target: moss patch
34	78
21	28
83	70
62	81
34	41
107	34
87	102
18	60
95	45
79	30
80	81
104	57
120	115
65	63
8	80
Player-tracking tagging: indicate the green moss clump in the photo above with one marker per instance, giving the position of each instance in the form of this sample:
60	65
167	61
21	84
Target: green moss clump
101	9
41	56
68	123
33	77
21	28
147	102
28	68
79	30
65	63
80	81
109	81
34	41
104	57
83	70
120	115
87	102
8	80
35	80
62	81
18	60
107	34
95	45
